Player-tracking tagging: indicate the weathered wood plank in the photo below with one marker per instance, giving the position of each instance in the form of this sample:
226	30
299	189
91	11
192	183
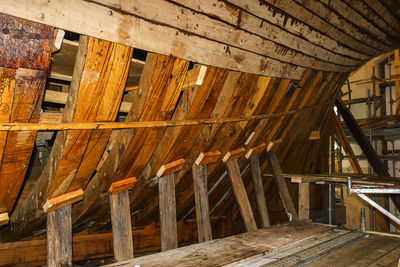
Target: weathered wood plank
63	200
208	157
59	237
171	167
241	196
167	205
201	202
259	190
304	201
122	186
121	226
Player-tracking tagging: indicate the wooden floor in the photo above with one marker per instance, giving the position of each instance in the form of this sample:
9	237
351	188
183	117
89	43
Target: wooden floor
290	244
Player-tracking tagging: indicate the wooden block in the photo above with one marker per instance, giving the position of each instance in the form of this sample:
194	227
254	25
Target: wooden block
296	180
314	135
58	37
195	77
121	186
273	144
255	150
4	219
171	167
208	157
233	154
63	200
320	182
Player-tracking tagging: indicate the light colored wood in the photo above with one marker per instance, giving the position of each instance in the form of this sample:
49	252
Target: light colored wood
255	150
171	167
384	234
208	157
195	77
121	226
314	135
63	200
4	219
122	186
234	154
304	201
58	37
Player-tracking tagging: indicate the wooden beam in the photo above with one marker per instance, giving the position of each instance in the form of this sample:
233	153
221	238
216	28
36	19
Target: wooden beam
201	200
121	224
167	206
314	135
259	189
304	201
122	186
4	219
234	154
281	185
171	167
255	150
240	192
59	237
63	200
208	157
273	144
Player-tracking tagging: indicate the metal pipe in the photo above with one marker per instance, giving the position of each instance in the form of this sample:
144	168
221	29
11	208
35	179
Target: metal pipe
363	225
380	208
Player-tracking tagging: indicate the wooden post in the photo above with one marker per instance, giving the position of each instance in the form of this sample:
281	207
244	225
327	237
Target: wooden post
121	219
281	184
59	228
252	155
167	203
304	201
230	159
201	194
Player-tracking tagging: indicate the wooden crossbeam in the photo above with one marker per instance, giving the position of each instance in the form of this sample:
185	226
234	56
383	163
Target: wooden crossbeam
255	150
63	200
171	167
273	144
208	157
234	154
281	184
4	219
121	219
240	192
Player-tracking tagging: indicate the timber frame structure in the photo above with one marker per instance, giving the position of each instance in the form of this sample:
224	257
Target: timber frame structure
166	116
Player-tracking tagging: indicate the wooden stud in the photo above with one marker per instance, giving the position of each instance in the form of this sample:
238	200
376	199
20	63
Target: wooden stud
4	219
255	150
231	155
259	190
273	144
314	135
281	184
207	157
167	205
63	200
59	237
240	194
304	201
122	186
201	200
121	223
171	167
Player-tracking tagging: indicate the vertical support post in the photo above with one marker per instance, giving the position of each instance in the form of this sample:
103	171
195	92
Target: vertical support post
167	204
304	201
121	219
239	190
281	184
59	228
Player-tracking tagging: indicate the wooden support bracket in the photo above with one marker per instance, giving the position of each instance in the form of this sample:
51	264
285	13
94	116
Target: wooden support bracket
4	219
207	157
171	167
231	155
255	150
121	219
273	144
314	135
63	200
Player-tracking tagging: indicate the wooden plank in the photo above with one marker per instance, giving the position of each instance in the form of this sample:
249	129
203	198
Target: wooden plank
240	194
255	150
304	201
122	186
314	135
171	167
165	40
207	157
281	185
59	237
234	154
4	219
63	200
259	190
121	226
201	201
273	144
167	205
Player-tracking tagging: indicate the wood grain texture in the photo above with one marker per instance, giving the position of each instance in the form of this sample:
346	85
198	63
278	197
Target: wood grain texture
255	150
122	186
62	200
208	157
304	201
171	167
234	154
121	226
